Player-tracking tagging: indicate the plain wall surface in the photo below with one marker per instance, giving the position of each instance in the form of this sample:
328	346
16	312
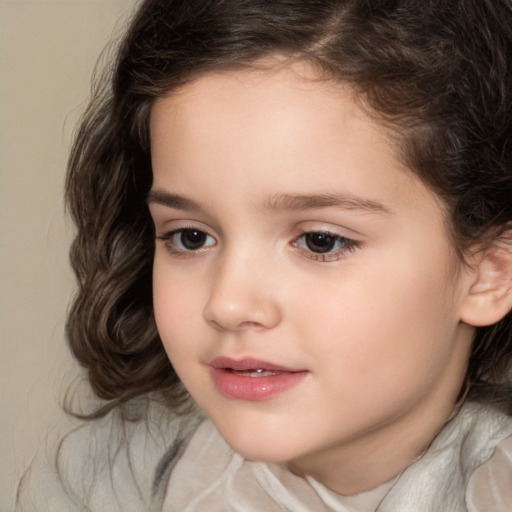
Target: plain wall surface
48	52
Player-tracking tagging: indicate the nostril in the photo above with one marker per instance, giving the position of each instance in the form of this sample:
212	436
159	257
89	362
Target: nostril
220	326
241	316
215	325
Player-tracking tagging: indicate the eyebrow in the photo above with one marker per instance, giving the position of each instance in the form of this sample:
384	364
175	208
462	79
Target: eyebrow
281	202
312	201
172	200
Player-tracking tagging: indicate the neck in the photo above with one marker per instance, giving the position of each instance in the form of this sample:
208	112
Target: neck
375	457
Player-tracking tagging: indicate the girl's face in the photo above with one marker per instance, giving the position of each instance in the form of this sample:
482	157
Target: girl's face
305	288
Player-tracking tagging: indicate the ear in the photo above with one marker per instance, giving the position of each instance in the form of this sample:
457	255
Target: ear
490	295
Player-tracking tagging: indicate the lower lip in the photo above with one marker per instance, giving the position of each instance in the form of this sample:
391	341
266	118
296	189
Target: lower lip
243	387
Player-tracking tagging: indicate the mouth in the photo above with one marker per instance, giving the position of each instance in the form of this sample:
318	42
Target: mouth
256	372
251	379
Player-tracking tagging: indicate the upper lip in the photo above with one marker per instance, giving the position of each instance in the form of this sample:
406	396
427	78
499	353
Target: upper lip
248	364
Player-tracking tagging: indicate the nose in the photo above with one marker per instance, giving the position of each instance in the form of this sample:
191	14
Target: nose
242	296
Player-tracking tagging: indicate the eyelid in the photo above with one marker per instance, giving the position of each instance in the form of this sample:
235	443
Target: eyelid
167	224
332	227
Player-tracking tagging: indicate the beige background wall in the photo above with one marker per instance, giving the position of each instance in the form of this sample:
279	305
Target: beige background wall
48	50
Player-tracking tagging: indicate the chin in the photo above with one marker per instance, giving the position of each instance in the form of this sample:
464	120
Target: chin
264	454
257	445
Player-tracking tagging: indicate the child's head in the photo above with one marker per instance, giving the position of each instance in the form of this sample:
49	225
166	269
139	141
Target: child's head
435	79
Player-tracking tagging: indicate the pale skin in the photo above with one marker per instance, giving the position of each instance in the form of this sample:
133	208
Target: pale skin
379	323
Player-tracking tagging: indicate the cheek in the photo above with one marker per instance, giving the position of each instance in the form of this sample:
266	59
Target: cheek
176	316
394	316
176	306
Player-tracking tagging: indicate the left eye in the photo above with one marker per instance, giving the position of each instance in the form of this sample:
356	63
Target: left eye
321	242
187	240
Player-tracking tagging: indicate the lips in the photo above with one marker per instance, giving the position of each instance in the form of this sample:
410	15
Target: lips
252	379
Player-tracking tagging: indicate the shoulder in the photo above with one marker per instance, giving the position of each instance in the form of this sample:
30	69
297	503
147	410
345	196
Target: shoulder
490	484
481	437
105	464
463	458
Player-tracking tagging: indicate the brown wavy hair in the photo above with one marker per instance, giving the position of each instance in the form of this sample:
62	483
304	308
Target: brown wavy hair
438	71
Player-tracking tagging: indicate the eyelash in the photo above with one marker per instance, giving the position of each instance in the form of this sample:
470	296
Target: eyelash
347	245
167	238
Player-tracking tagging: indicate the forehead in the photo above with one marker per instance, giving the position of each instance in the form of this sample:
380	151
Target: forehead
281	87
280	103
279	129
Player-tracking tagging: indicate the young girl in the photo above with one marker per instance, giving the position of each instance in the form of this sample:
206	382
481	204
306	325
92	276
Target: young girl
324	321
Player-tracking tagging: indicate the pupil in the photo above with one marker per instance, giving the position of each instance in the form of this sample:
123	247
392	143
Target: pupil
320	242
192	239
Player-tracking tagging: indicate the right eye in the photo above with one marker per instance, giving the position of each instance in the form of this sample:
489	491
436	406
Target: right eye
187	240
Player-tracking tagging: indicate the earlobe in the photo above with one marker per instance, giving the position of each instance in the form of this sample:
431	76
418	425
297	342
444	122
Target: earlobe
489	297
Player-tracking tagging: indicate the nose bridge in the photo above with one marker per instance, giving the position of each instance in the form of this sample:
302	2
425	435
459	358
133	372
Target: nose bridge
241	292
